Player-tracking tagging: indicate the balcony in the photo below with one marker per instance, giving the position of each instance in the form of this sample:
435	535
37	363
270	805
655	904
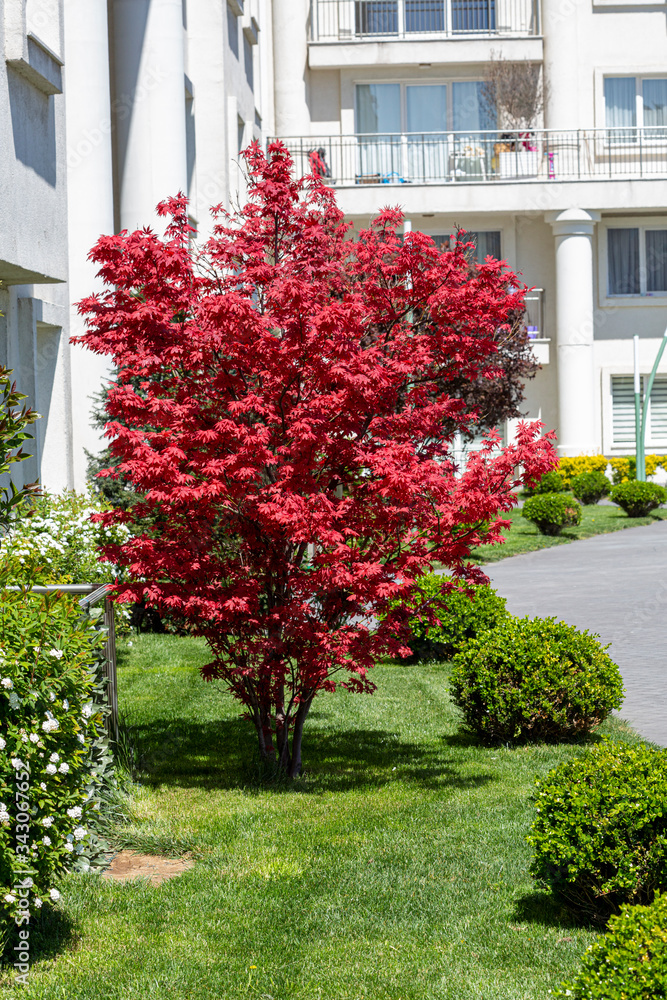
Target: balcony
414	20
456	158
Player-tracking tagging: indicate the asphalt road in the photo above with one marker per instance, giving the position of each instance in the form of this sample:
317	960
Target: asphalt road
615	585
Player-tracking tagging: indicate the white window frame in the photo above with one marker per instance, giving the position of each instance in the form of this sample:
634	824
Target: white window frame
639	73
644	299
609	447
639	95
415	82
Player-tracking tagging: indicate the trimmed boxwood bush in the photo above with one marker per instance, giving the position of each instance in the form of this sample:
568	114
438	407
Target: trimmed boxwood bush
551	512
638	499
462	616
590	487
54	756
534	679
574	465
600	836
550	482
629	962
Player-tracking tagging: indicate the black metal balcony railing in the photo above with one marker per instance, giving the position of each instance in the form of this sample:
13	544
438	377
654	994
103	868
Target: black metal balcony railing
382	20
482	157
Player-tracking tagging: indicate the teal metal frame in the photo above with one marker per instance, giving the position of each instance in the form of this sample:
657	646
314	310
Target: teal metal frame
641	405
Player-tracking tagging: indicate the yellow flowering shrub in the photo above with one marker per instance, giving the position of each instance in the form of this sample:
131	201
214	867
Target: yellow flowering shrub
574	465
624	468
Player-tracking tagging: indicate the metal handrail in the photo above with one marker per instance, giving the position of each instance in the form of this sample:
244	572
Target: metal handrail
94	594
482	155
414	20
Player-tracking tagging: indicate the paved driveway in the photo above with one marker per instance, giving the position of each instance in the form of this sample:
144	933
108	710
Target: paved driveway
615	585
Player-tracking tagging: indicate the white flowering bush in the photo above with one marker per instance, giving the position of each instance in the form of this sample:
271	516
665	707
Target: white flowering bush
58	542
53	752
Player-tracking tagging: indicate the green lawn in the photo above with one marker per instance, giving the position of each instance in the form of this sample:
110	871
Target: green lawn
596	520
395	869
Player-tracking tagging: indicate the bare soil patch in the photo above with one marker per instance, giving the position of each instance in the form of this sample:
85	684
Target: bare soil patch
128	865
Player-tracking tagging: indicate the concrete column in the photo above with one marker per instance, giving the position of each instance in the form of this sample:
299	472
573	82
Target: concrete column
90	207
573	230
563	63
290	61
149	106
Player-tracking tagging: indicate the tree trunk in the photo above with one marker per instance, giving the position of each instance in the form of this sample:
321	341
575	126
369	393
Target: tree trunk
288	761
295	763
262	720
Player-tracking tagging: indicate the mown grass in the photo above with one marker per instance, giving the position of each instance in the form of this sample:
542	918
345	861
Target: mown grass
396	868
523	536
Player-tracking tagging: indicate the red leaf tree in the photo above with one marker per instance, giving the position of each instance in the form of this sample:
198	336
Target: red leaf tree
282	410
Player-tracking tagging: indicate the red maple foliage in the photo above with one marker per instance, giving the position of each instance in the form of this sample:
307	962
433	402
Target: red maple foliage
282	410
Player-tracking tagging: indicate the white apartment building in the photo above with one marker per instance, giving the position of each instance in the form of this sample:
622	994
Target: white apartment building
106	108
109	106
391	94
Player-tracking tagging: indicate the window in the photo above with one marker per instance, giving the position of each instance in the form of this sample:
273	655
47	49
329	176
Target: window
376	17
637	261
426	108
487	243
420	108
468	110
633	102
473	15
383	17
424	15
378	107
233	31
248	60
406	132
623	411
240	132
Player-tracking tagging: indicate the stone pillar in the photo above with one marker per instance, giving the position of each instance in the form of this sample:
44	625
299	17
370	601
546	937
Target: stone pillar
90	204
563	65
149	105
290	60
573	230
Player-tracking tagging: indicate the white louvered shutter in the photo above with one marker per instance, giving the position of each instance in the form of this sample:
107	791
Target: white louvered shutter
623	409
658	423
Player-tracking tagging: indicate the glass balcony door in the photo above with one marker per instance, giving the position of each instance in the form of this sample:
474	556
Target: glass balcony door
378	113
421	133
426	118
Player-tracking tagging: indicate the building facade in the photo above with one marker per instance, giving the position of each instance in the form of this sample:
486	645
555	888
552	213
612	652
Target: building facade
394	96
109	106
106	108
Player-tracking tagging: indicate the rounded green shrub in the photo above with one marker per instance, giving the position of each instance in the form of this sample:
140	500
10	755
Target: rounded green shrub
551	512
462	616
534	679
629	962
600	836
638	499
550	482
590	487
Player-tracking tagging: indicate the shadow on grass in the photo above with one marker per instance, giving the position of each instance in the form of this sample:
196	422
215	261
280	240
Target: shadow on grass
223	754
50	935
549	911
467	739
